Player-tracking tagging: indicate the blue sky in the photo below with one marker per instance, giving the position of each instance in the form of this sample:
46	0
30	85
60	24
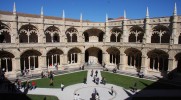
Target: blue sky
94	10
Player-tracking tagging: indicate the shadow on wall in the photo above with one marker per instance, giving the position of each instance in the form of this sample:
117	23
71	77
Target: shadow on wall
167	88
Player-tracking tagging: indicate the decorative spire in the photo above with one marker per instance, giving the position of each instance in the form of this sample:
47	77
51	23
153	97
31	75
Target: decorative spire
63	15
80	17
175	10
124	14
147	13
42	11
14	8
106	17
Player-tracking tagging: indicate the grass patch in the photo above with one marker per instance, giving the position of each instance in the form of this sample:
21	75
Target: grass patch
66	79
42	97
125	81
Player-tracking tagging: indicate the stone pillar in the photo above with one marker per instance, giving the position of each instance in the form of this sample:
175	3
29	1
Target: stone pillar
65	59
144	64
83	58
13	64
107	35
29	62
56	58
124	36
170	64
52	60
147	34
122	64
17	64
34	61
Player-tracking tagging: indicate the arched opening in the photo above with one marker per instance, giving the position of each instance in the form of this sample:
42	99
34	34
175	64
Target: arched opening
54	58
29	60
6	61
74	56
52	34
132	38
178	60
155	38
179	39
5	36
86	36
28	33
136	34
71	34
134	58
74	38
113	38
93	56
56	38
160	34
115	35
23	38
114	55
158	60
48	37
33	38
93	35
165	38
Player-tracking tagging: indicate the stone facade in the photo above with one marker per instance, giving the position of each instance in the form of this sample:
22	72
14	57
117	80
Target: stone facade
38	42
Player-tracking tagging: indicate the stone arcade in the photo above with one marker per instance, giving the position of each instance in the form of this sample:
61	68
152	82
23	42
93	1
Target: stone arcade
38	42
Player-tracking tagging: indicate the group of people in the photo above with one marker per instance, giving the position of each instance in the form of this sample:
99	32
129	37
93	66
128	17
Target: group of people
77	97
25	72
29	85
95	77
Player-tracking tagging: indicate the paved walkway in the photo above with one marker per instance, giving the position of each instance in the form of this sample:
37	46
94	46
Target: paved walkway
85	91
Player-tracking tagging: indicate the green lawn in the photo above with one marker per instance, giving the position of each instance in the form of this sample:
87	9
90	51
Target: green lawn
42	97
125	81
66	79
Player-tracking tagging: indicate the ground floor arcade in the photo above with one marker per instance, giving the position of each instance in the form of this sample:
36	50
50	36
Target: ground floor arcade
131	59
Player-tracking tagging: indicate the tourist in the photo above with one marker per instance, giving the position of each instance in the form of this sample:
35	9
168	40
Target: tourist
97	80
135	87
78	97
42	74
103	81
51	78
33	84
62	86
112	90
94	78
75	96
96	73
92	73
85	80
114	70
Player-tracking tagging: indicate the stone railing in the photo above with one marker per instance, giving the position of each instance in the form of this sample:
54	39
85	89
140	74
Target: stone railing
93	44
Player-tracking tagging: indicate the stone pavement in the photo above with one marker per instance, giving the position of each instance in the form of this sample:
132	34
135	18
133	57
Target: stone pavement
84	90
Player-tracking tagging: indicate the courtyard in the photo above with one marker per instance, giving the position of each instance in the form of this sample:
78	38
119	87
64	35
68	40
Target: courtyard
122	87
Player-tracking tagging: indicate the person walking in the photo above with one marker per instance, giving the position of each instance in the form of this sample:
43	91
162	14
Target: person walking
112	90
92	73
51	78
96	73
62	86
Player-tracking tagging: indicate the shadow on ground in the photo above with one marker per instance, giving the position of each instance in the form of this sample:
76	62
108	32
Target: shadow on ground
166	88
8	91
